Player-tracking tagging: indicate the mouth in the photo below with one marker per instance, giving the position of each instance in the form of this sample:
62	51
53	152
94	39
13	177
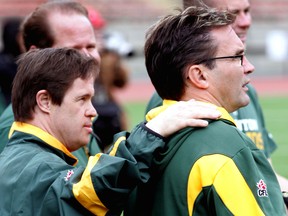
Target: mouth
88	127
245	85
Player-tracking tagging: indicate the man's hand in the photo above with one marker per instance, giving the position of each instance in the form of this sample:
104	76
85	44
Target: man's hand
183	114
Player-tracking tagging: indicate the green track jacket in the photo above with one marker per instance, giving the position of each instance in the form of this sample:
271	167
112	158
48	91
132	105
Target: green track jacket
215	170
38	176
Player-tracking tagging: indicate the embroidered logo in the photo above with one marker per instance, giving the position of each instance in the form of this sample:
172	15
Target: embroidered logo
68	175
262	189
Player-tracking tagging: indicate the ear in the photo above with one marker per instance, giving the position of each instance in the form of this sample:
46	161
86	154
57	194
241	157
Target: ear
43	100
197	75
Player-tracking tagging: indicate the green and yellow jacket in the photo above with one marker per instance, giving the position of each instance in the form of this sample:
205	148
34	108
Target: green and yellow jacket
39	177
215	170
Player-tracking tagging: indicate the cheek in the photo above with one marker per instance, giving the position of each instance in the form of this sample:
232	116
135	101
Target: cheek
67	116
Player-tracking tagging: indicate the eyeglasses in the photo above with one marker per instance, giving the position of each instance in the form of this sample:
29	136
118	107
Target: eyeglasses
240	57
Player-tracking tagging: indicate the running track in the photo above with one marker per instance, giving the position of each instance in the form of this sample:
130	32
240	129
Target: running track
141	90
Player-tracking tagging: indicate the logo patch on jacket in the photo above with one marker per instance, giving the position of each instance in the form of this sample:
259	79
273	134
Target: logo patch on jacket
262	189
68	175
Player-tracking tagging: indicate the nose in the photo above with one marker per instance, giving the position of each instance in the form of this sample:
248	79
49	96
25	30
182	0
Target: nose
248	67
94	53
91	111
244	20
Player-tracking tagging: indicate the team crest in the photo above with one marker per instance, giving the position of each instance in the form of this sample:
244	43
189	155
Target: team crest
262	189
68	175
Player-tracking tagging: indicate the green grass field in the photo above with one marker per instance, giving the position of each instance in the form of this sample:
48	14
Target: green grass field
276	115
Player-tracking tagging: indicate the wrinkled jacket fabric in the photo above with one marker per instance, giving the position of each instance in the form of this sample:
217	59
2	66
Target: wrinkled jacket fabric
215	170
39	177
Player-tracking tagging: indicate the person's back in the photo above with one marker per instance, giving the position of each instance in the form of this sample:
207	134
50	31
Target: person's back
189	176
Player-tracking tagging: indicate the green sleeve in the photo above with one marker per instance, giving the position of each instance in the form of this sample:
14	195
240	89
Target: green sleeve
102	188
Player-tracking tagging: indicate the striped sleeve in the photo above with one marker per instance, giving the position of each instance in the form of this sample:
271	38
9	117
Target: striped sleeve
109	178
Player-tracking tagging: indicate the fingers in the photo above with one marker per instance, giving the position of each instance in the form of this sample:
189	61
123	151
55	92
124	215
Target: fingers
183	114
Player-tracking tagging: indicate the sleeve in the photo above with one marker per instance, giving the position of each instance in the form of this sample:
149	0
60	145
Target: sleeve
246	185
108	179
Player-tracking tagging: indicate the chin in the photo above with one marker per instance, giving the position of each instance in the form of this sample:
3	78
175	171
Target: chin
245	102
241	104
84	143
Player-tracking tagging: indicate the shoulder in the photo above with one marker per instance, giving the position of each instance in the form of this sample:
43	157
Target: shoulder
154	102
218	138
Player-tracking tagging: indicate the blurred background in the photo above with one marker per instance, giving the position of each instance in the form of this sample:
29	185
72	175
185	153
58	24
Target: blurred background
126	22
267	41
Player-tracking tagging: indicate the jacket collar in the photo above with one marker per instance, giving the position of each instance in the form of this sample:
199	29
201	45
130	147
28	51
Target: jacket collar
44	136
166	103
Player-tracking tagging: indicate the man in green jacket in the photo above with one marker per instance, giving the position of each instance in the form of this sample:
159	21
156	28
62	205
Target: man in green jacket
249	119
216	170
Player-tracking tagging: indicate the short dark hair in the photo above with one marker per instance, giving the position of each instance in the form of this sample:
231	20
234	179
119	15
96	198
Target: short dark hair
177	41
51	69
36	30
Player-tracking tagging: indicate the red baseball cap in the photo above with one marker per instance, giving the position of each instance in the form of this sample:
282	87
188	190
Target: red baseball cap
96	19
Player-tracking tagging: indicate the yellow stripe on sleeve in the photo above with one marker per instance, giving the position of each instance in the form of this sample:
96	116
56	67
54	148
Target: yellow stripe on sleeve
234	191
116	145
84	190
221	171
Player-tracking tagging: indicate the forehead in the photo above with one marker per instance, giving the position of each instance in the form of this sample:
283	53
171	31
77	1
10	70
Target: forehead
227	41
232	5
81	87
71	30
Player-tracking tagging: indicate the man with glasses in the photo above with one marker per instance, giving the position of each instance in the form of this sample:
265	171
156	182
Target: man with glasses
216	170
249	119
